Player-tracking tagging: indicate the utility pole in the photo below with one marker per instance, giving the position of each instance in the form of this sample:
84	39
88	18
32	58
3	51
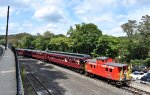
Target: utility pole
6	38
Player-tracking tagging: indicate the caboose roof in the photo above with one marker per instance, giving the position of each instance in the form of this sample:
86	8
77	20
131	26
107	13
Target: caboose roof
102	58
115	64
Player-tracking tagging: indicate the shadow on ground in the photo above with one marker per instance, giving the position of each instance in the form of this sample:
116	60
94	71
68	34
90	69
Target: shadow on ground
47	73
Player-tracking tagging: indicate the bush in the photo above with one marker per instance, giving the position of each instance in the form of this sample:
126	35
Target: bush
147	62
137	62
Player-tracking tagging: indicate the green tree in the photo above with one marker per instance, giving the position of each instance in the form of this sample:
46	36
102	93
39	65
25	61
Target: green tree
137	62
59	35
2	41
48	35
16	40
130	29
60	44
84	37
107	46
40	43
147	62
144	30
27	41
123	50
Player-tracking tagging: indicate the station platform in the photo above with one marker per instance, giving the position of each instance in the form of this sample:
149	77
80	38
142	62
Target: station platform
8	74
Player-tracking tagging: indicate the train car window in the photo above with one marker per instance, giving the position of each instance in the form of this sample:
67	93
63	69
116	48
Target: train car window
106	69
91	66
110	70
94	66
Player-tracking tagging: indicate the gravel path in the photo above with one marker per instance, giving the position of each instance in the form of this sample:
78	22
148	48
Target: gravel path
63	81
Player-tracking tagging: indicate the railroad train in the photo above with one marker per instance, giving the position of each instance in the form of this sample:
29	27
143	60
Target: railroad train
104	67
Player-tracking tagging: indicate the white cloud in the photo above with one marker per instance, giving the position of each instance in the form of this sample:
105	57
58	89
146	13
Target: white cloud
136	3
137	14
50	14
54	2
92	6
96	12
117	31
53	28
2	27
15	3
13	27
129	2
3	11
58	15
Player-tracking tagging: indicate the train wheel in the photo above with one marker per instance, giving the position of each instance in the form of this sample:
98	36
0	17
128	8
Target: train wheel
128	83
108	81
118	84
81	71
86	73
112	82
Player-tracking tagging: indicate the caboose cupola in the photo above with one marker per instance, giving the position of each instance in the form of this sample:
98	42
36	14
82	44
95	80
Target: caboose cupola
102	60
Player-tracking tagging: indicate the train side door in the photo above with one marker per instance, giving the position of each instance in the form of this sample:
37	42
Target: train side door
123	74
108	72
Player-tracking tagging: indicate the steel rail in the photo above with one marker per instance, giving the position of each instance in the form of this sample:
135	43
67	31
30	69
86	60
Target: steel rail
37	80
136	90
130	89
32	85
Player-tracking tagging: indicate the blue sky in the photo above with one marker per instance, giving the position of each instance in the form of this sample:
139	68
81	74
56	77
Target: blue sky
38	16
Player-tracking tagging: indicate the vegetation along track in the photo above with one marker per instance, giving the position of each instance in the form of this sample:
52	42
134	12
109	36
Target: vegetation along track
136	91
37	85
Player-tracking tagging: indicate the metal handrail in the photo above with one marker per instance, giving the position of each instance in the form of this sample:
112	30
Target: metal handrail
3	52
20	90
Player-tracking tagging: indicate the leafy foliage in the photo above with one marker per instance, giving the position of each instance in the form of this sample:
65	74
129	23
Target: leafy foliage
60	44
137	62
2	41
147	62
84	37
39	43
107	46
27	41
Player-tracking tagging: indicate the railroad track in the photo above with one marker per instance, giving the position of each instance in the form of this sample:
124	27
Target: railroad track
130	89
37	85
136	91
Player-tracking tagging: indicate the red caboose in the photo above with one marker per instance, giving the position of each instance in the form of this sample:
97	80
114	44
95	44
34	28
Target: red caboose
107	68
